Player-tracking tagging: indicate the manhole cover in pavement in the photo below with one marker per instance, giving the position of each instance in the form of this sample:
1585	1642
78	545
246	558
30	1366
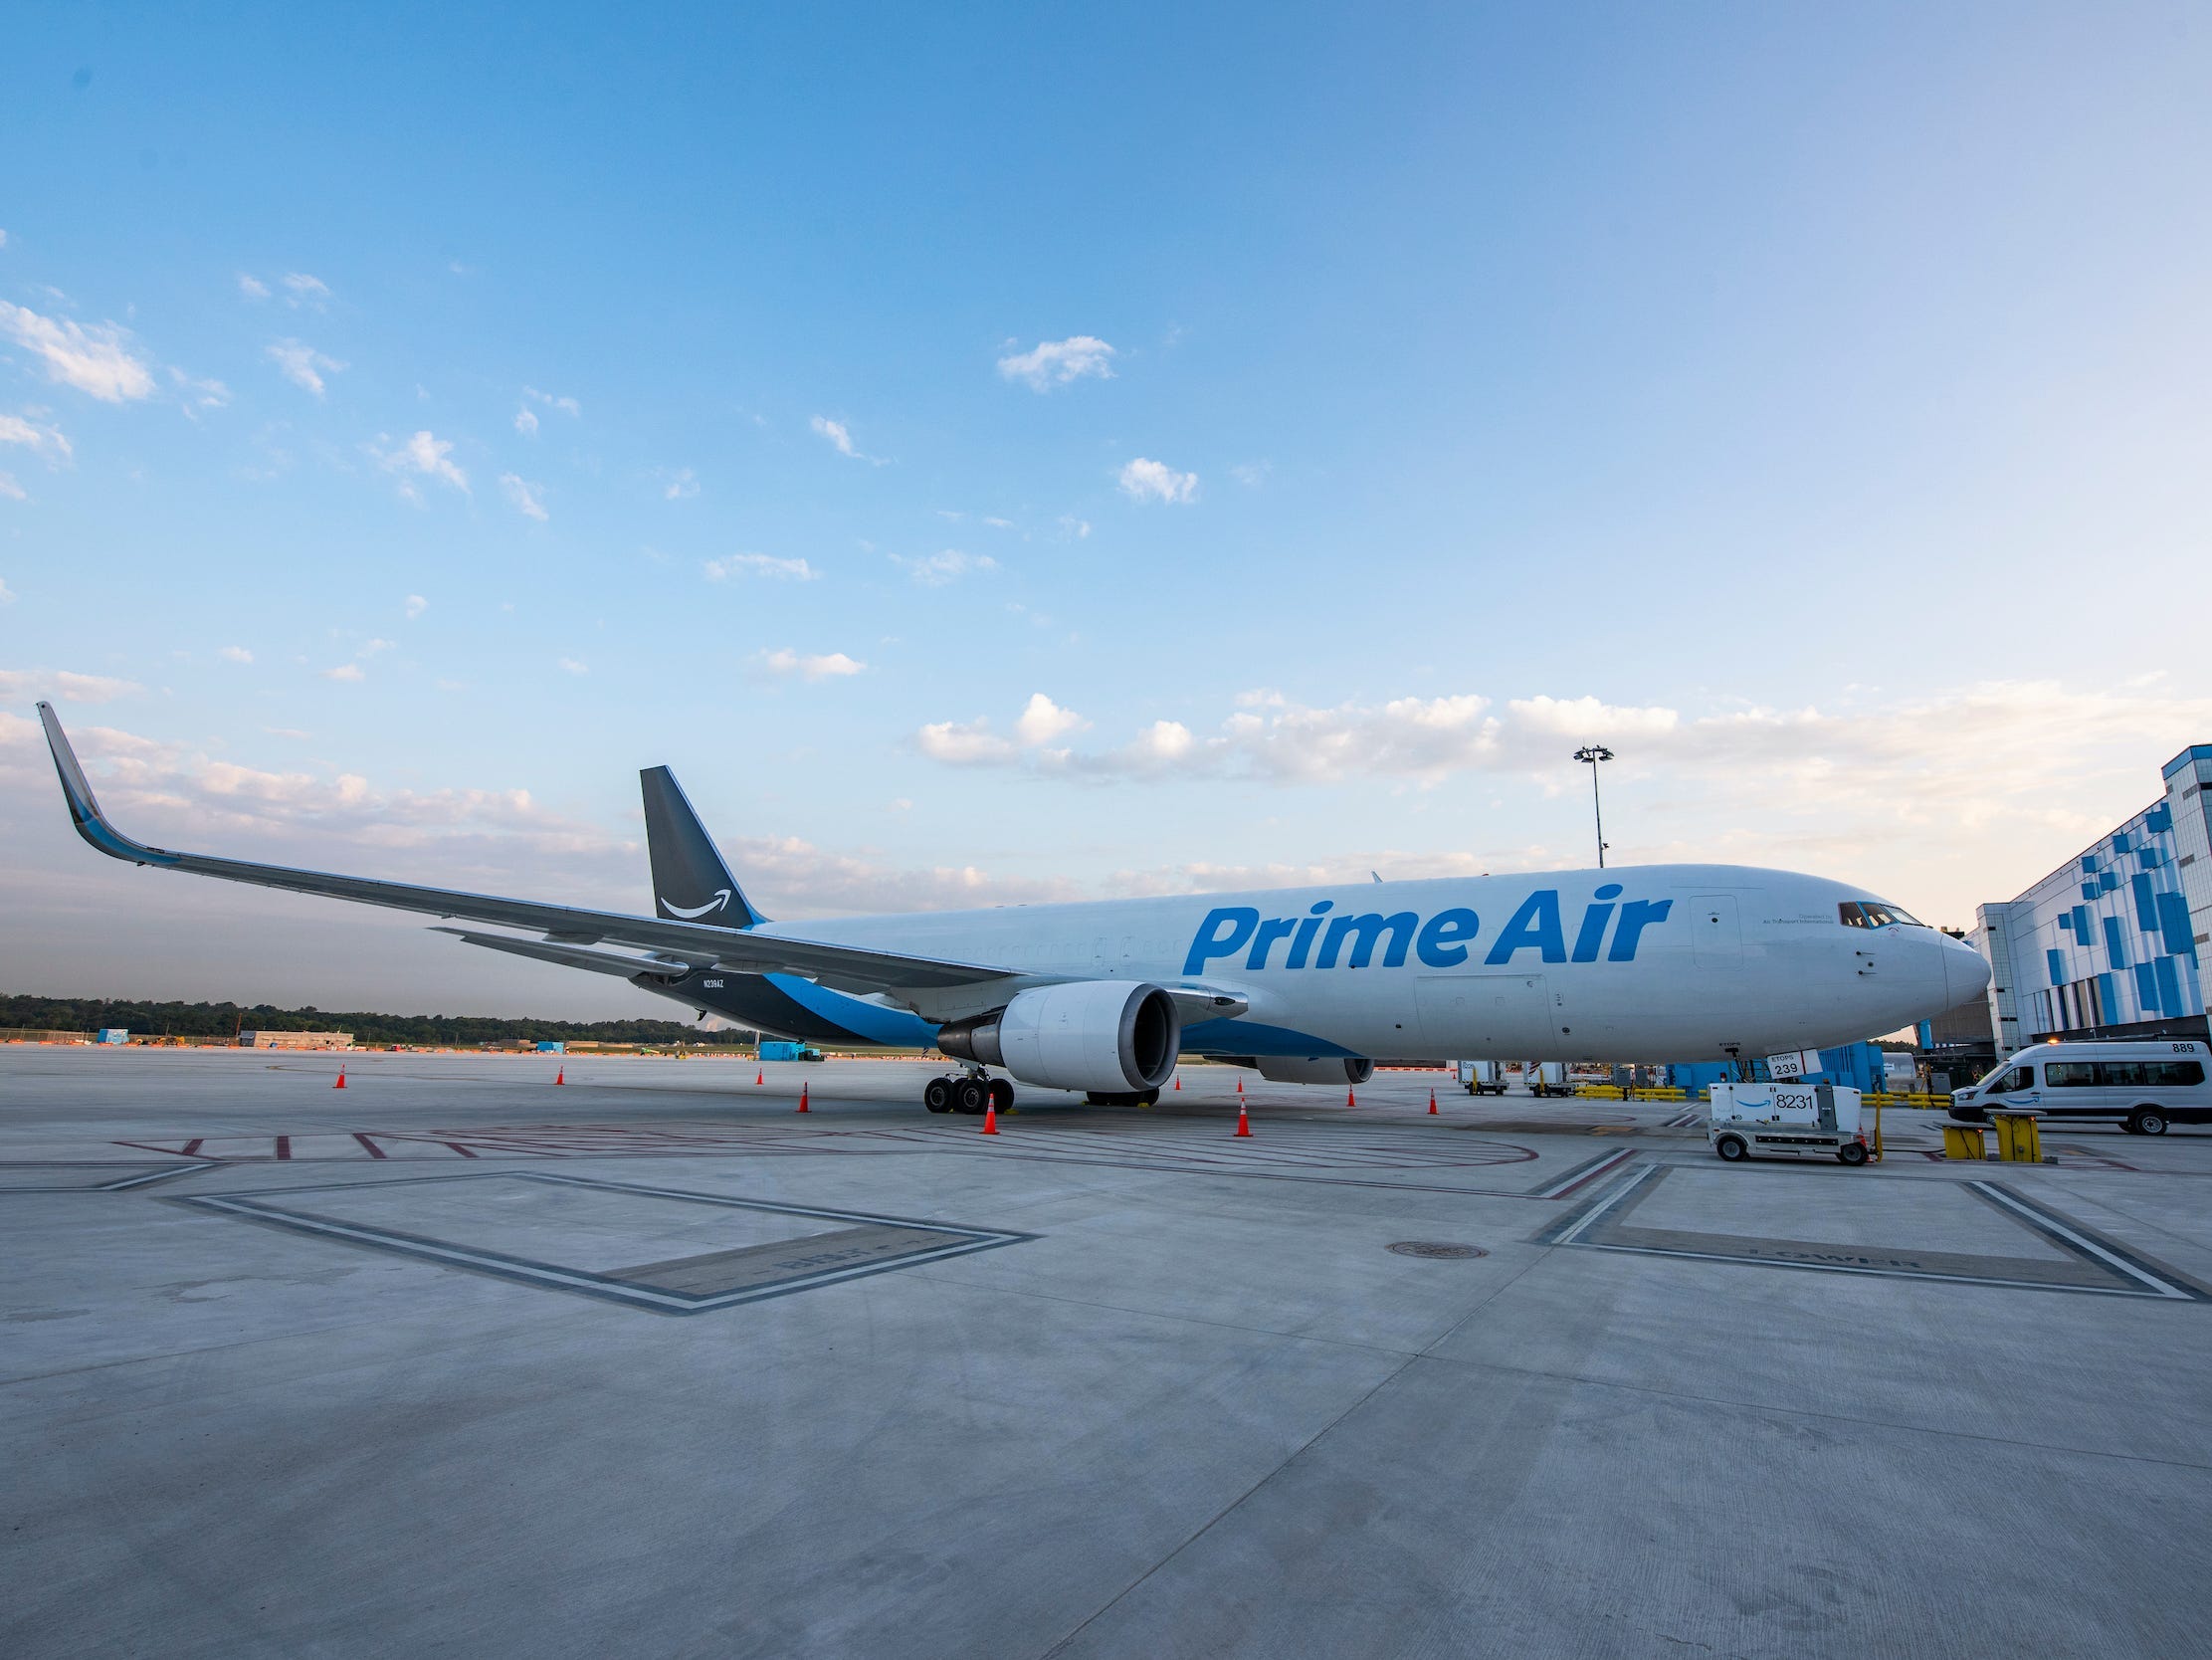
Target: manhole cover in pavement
1436	1248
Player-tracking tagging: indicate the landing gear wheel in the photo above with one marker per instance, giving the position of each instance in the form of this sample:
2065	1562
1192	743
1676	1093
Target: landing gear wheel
2148	1120
1002	1095
936	1095
970	1096
1851	1153
1150	1098
1731	1149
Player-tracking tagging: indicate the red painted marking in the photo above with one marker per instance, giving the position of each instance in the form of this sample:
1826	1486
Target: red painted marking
284	1147
374	1151
193	1145
458	1148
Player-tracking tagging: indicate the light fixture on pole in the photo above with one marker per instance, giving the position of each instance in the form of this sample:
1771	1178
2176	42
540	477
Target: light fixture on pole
1591	754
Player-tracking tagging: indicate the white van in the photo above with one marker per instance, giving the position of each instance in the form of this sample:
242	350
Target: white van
2144	1085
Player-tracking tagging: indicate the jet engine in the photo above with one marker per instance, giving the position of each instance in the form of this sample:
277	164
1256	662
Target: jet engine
1104	1036
1319	1069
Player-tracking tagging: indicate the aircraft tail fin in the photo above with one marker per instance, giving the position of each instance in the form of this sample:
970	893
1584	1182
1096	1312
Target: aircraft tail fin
690	880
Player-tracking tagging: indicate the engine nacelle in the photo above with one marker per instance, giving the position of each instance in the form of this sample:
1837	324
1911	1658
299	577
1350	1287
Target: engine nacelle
1320	1069
1112	1037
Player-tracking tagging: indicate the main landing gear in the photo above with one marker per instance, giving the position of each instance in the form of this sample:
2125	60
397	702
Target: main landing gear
967	1092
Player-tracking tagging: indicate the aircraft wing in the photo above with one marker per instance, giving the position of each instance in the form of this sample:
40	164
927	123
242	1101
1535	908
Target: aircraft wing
678	944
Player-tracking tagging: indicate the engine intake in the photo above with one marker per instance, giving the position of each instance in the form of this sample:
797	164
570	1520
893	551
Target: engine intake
1108	1036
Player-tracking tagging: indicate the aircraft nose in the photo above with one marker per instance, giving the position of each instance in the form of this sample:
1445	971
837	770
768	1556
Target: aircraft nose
1966	974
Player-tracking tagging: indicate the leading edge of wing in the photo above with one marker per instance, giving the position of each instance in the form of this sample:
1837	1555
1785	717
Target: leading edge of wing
740	950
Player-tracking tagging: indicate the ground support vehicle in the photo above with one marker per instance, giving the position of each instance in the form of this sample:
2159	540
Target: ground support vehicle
1481	1077
2144	1084
1787	1120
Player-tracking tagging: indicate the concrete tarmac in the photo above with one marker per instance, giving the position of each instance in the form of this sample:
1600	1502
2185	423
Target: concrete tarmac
459	1362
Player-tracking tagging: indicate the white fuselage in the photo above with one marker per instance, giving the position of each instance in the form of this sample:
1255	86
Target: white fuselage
1660	961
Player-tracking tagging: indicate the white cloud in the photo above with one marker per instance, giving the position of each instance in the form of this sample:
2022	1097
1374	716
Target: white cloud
1056	363
573	666
788	662
7	598
253	288
370	647
301	364
303	290
346	672
416	606
422	454
1042	720
681	483
1143	480
11	490
936	569
757	564
970	745
1252	474
839	438
1072	526
197	395
62	685
96	360
524	495
235	653
47	443
567	406
526	423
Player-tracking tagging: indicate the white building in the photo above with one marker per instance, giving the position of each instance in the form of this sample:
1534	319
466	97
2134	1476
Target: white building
2107	944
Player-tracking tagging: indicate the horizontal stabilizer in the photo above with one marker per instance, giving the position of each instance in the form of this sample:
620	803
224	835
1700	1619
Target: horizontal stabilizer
576	957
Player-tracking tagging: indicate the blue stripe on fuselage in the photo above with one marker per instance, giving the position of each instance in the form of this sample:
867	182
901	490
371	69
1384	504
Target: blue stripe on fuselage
866	1022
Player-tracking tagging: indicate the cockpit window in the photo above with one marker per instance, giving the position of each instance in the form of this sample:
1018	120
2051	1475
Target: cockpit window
1874	914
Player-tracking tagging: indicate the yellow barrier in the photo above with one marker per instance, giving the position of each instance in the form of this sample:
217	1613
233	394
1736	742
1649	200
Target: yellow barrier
2018	1141
1963	1140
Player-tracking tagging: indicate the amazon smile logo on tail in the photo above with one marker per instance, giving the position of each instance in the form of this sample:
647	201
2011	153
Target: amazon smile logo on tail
721	899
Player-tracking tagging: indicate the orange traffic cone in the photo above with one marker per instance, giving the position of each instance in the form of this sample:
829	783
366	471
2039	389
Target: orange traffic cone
561	1076
1351	1099
341	1084
1432	1101
802	1098
1178	1081
990	1117
1244	1124
761	1077
1240	1088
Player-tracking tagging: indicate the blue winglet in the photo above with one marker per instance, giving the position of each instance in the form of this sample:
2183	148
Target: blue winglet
84	809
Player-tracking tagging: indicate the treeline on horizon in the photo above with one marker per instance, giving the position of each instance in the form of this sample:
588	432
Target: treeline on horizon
224	1020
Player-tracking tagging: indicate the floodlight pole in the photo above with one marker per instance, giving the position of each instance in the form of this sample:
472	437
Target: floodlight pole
1590	754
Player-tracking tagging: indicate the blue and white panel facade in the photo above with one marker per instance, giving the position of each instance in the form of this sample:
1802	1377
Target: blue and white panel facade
2111	937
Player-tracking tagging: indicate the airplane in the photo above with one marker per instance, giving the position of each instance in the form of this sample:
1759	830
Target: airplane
1304	986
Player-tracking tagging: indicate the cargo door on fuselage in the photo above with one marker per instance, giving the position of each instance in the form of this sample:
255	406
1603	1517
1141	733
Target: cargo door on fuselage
1716	931
1490	1016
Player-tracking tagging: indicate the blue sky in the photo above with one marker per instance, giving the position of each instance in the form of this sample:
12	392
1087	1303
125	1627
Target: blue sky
1019	452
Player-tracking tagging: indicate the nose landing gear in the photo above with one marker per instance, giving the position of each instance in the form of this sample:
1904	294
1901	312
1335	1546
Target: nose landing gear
967	1092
